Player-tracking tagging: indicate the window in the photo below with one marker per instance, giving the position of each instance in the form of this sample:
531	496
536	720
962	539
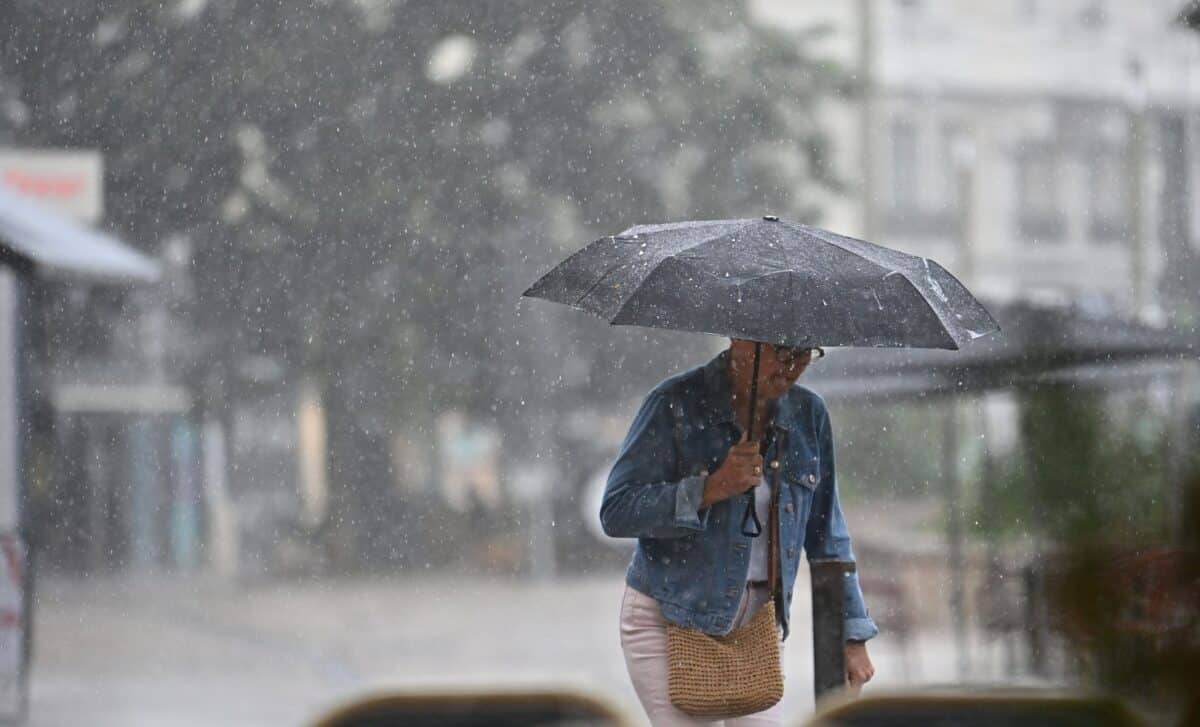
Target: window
1107	211
904	166
955	152
920	185
1093	15
1039	216
1174	226
1029	9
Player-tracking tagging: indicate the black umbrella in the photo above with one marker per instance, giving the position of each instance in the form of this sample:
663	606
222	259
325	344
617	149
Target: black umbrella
770	281
767	280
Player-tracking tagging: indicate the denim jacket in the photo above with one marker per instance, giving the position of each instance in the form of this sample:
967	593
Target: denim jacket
694	561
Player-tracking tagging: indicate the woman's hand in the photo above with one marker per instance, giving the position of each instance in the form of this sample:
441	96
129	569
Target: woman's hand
859	669
741	470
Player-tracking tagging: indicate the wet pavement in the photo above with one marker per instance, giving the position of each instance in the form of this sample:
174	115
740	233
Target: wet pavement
173	652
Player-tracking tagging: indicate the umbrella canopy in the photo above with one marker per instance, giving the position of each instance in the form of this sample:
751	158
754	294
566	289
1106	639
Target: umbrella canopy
768	280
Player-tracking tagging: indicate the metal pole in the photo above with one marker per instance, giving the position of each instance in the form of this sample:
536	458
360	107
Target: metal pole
1178	449
865	63
829	624
954	538
964	155
1035	633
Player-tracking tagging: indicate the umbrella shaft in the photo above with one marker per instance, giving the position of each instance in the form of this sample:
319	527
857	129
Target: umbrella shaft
754	391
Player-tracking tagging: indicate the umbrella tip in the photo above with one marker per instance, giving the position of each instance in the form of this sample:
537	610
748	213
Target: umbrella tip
771	218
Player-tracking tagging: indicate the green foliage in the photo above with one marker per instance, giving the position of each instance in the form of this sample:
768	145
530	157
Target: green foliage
1082	473
342	204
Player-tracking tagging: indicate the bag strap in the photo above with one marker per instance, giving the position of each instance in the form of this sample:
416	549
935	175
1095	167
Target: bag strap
773	564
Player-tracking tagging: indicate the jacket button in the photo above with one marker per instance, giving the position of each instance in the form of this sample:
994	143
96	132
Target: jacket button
791	552
812	478
789	507
774	464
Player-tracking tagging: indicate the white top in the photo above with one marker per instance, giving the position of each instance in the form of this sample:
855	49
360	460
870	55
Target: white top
759	570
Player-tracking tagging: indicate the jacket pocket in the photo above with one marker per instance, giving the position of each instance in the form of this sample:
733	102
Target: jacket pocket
802	469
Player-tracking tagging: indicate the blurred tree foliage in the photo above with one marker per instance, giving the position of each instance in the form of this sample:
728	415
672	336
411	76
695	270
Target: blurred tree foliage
365	188
1090	482
1082	473
1132	611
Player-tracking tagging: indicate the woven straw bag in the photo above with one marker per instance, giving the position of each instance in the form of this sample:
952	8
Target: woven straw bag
726	676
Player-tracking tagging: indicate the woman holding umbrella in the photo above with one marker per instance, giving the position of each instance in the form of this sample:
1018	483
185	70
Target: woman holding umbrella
717	450
680	486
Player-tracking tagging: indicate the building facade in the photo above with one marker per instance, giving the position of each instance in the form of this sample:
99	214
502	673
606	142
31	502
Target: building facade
1043	150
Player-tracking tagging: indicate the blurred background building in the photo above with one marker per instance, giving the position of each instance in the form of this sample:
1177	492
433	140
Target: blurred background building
95	401
1041	150
1047	154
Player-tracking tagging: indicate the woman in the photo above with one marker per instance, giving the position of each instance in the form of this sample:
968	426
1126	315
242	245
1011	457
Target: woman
682	485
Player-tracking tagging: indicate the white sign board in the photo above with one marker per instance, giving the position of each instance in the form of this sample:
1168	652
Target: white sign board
70	182
469	467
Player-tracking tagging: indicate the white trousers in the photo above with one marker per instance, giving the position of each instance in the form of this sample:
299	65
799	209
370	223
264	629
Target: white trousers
644	641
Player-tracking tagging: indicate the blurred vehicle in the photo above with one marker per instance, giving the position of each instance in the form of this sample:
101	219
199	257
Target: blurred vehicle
976	707
979	708
467	709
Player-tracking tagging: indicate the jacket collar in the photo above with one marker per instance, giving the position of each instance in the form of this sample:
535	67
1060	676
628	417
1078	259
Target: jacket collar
718	389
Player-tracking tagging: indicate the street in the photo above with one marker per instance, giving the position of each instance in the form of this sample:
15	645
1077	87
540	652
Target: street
174	652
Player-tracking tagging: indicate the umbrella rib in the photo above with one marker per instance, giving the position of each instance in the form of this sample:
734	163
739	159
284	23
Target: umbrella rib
619	263
599	280
832	238
936	315
760	276
637	288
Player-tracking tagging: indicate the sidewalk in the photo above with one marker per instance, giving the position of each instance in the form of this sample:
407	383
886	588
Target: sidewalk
184	653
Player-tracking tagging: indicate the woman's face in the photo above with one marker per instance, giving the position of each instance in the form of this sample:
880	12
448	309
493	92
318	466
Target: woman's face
778	368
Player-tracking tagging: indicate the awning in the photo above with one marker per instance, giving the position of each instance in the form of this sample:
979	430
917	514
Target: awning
1033	343
60	248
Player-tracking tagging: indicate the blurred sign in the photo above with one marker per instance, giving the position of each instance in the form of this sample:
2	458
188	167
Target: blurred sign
469	463
12	625
69	182
532	482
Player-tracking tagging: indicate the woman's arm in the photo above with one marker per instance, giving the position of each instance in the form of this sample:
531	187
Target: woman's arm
643	498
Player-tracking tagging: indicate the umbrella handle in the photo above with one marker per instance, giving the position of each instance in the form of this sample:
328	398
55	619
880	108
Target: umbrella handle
751	525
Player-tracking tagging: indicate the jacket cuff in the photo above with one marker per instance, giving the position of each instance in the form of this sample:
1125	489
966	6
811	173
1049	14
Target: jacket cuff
860	629
689	493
